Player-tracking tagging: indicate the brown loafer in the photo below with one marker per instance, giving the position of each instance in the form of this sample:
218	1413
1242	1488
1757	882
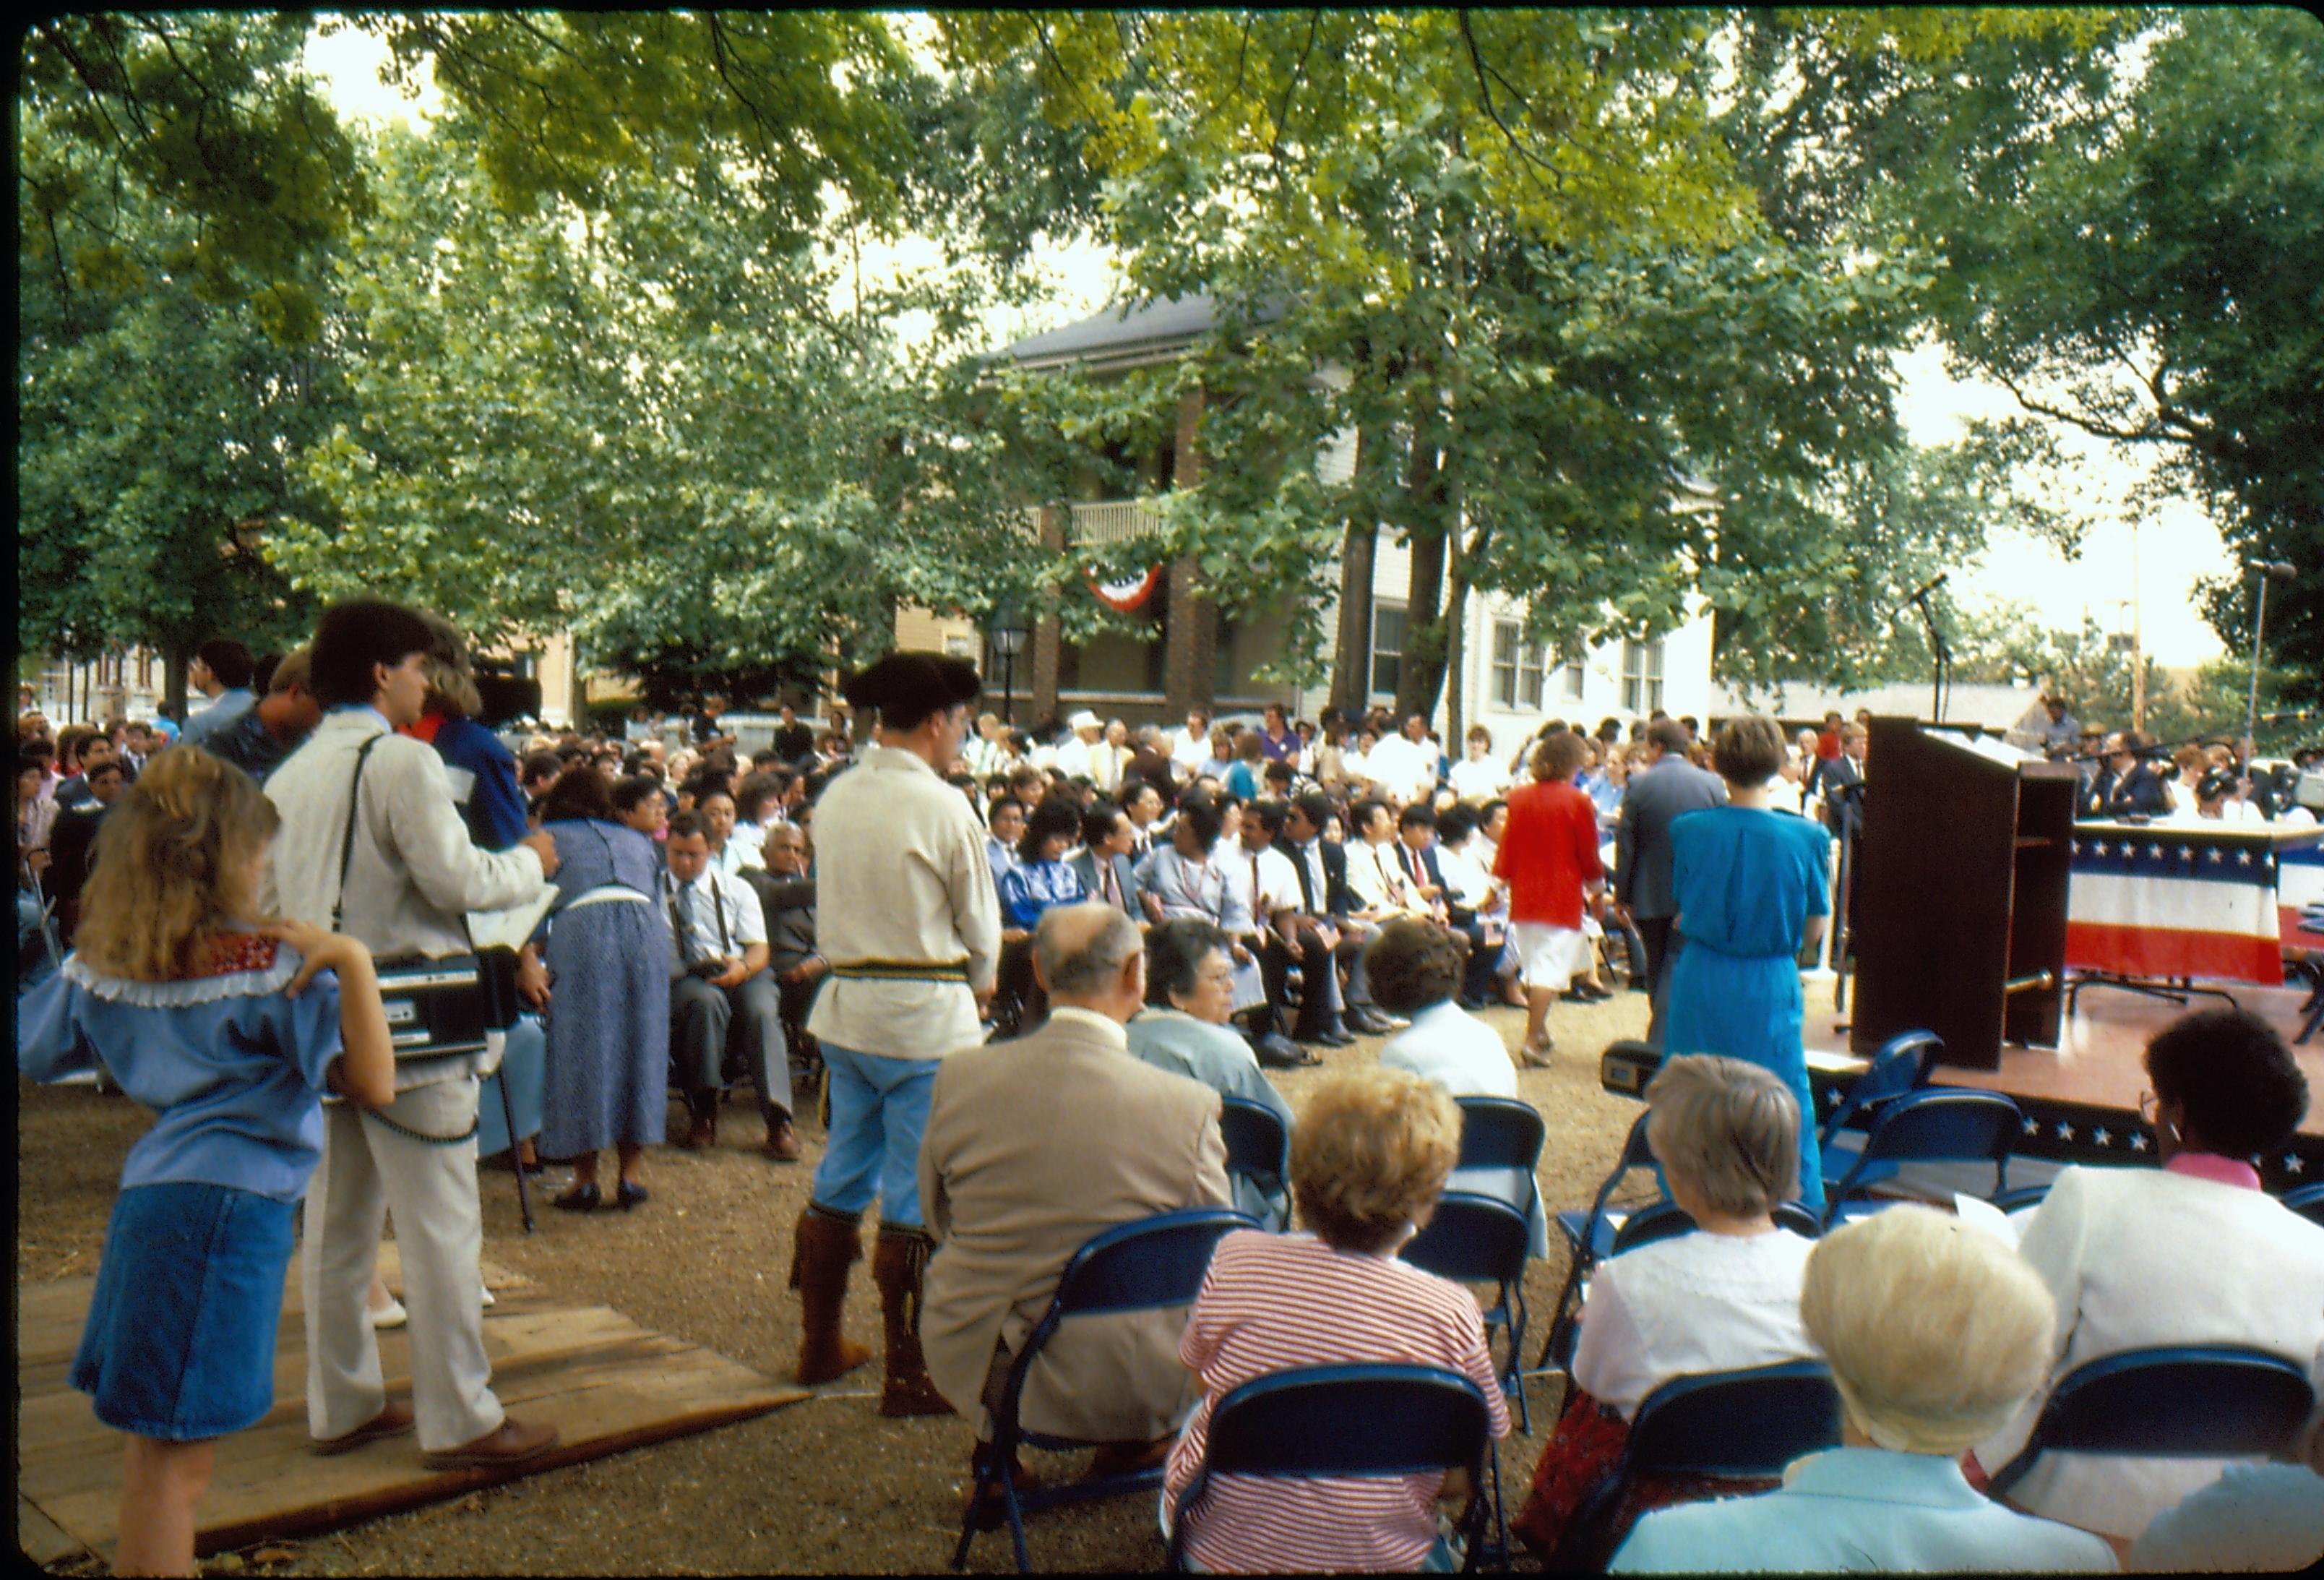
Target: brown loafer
782	1140
393	1420
512	1443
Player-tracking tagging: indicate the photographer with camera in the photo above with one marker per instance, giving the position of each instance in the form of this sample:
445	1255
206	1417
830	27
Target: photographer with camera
725	1006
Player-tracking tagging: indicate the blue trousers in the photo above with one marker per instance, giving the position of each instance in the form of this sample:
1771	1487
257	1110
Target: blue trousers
524	1064
879	1110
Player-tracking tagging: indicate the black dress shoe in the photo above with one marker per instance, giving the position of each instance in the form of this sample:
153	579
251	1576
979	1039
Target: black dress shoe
1368	1021
629	1195
1329	1037
581	1199
1279	1052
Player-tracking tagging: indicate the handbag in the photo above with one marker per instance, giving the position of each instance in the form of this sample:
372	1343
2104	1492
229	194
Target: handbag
440	1006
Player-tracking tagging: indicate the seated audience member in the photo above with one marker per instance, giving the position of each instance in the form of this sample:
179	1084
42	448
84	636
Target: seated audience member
1004	826
1280	934
725	1010
1039	881
1721	1299
1329	907
1187	1029
1934	1331
2192	1253
1028	784
1369	1158
536	775
1464	859
2255	1519
1478	777
1103	864
757	807
787	897
1242	775
1376	872
1034	1146
713	803
1414	969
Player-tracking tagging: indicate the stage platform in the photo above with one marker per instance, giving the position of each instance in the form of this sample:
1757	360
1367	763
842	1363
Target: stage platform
2080	1098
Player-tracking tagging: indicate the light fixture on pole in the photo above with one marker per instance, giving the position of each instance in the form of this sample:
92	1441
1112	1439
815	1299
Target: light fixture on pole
2278	570
1007	632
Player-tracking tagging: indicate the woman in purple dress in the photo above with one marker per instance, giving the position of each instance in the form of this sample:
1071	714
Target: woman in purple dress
609	961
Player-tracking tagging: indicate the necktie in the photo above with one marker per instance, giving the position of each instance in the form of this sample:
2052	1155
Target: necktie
1112	888
1257	910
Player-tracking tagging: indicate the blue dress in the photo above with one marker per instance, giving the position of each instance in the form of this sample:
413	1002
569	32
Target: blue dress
609	962
1746	882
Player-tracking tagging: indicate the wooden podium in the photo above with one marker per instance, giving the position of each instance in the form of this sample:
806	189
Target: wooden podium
1959	905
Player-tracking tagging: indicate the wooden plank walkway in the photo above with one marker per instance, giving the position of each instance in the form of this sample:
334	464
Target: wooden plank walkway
605	1383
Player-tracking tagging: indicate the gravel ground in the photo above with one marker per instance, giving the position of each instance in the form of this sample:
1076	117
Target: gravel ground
822	1486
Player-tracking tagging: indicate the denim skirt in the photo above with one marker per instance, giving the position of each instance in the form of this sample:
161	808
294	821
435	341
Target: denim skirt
180	1343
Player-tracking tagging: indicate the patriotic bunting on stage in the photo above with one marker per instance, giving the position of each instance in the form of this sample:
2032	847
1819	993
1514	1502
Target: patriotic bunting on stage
2169	901
2300	883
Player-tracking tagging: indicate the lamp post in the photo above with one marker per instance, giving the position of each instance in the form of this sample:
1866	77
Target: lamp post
1007	632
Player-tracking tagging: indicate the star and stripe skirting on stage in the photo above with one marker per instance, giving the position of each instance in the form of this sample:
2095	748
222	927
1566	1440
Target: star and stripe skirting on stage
2174	901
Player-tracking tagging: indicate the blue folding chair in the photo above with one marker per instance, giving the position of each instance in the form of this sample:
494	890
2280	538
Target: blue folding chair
2178	1401
1733	1424
2308	1201
1902	1064
1667	1220
1352	1420
1258	1150
1937	1124
1589	1238
1473	1239
1500	1133
2023	1197
1155	1262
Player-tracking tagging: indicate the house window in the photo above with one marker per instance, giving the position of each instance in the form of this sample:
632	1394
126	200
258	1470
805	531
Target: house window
1642	676
1388	648
1573	676
1516	667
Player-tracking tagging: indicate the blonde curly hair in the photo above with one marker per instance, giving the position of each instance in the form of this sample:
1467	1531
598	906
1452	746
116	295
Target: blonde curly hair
175	866
1371	1154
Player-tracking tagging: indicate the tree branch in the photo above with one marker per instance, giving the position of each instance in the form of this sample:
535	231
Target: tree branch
1290	83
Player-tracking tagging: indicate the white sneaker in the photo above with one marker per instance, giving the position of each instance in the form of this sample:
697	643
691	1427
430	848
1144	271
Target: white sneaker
390	1314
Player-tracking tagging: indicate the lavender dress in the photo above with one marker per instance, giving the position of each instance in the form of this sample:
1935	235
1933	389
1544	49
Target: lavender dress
609	962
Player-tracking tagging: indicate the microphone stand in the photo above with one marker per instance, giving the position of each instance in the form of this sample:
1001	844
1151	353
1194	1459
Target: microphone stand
1941	654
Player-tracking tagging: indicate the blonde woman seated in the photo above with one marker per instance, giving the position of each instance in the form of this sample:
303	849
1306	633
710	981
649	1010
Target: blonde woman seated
1723	1299
1369	1156
1935	1332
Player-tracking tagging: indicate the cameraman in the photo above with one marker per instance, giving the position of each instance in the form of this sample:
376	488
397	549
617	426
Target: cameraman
725	1009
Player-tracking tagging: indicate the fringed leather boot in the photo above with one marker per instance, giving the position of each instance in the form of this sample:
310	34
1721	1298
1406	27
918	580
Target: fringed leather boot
897	1266
825	1245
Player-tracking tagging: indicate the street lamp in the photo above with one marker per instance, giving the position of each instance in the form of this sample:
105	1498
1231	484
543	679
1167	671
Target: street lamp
1007	632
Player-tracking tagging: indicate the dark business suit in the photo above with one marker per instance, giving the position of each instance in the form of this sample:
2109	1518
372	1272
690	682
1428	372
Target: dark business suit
1124	897
789	904
1642	882
1337	901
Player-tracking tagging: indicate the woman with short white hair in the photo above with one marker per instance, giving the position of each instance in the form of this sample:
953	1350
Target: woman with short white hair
1935	1332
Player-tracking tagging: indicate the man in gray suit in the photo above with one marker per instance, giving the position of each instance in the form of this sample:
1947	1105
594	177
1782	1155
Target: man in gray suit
1103	863
1668	786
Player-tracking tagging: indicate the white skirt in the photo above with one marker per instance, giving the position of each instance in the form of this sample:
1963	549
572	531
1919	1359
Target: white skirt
1548	956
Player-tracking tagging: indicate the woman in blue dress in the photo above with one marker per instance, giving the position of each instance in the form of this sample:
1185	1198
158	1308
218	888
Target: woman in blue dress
1752	888
609	962
1039	881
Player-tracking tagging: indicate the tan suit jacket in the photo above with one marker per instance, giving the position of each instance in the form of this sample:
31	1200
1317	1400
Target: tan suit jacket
1032	1146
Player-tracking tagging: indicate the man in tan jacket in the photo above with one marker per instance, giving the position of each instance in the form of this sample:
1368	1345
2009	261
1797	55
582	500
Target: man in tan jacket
1034	1146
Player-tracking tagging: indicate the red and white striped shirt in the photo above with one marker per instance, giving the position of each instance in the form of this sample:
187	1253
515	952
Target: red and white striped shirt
1271	1302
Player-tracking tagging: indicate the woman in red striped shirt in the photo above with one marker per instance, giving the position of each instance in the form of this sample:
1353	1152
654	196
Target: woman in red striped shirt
1370	1156
1548	856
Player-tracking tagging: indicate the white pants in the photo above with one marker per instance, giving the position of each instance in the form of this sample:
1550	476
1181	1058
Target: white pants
367	1172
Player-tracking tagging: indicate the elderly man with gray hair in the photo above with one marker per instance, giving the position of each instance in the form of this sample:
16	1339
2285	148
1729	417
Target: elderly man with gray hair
1032	1146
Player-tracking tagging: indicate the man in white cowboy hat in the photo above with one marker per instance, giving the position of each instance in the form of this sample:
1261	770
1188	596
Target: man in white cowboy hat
1073	754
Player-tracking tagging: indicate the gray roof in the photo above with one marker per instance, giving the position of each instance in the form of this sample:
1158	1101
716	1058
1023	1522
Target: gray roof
1125	336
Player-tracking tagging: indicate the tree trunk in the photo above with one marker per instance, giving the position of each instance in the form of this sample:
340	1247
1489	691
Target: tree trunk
173	684
1351	650
1421	675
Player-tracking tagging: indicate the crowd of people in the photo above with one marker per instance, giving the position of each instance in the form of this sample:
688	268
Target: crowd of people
1022	973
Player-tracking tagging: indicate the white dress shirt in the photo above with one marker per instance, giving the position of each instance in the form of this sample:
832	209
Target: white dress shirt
714	916
1376	876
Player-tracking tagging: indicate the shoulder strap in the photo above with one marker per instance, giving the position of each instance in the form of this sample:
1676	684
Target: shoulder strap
347	839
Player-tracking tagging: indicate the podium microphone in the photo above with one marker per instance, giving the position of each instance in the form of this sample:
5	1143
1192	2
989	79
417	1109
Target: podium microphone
2280	569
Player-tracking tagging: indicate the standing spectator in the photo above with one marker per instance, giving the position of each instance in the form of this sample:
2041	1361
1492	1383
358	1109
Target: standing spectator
794	743
1548	856
608	977
725	1010
220	670
1840	783
411	872
260	737
1110	759
72	844
230	1031
911	921
1189	746
1036	1145
707	728
1665	788
1749	885
1405	765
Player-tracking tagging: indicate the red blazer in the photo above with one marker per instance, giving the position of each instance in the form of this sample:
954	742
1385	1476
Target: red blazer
1548	852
